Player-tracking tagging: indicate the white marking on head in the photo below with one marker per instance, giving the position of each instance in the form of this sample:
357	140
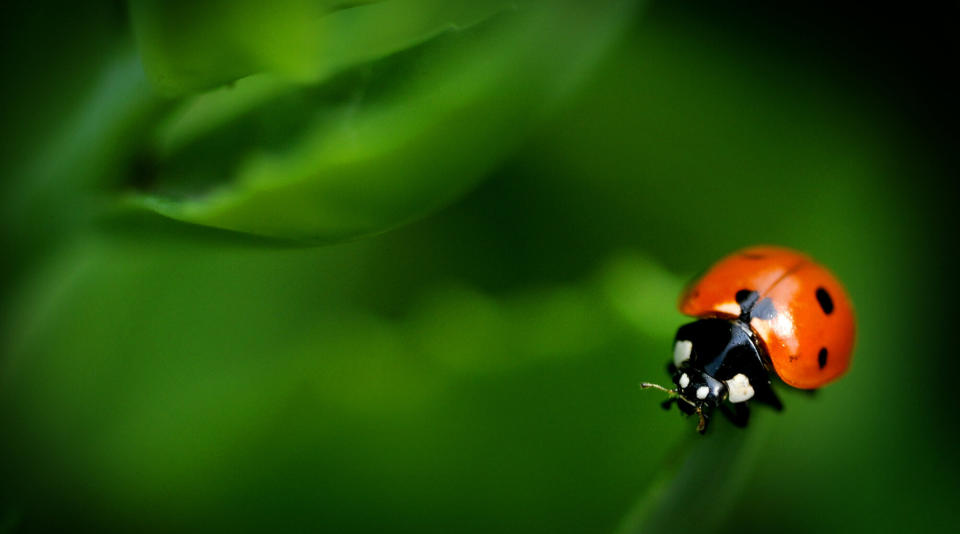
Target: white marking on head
681	351
684	380
739	388
702	392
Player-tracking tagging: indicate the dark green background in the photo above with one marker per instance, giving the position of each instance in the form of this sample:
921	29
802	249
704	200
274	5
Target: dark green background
474	365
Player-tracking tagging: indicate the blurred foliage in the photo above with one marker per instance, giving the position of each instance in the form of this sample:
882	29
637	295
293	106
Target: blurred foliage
189	46
360	154
550	174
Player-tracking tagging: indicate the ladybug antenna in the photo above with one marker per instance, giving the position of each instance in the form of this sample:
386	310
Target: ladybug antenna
671	392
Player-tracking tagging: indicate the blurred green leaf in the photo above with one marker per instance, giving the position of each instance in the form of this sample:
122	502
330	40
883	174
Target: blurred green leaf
457	408
698	481
379	144
190	46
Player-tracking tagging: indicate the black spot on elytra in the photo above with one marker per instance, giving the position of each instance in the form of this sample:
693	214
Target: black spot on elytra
826	303
749	307
764	310
822	357
746	298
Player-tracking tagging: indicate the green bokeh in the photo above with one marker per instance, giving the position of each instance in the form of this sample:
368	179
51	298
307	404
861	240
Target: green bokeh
475	369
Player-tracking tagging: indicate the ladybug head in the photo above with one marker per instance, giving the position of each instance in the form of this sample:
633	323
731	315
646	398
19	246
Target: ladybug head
716	365
696	392
702	392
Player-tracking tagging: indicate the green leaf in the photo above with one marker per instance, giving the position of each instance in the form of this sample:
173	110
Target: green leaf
255	389
189	46
379	144
699	482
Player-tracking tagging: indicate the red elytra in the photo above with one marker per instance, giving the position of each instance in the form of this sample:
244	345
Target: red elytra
809	339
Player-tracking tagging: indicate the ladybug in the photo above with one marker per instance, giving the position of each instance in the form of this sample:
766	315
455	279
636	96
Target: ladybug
761	311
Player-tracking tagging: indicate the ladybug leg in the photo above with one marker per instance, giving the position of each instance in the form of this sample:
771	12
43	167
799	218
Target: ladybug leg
702	424
667	404
767	396
738	413
684	407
